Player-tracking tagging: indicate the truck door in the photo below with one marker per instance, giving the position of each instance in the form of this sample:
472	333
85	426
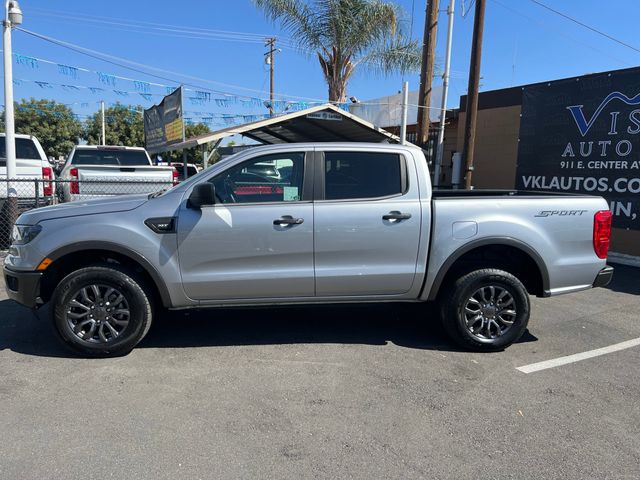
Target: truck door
257	241
367	224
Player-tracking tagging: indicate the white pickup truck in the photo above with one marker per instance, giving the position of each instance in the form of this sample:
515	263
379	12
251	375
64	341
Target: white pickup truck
31	164
102	171
32	183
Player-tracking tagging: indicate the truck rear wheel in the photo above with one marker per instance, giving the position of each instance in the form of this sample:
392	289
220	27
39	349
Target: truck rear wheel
101	311
485	310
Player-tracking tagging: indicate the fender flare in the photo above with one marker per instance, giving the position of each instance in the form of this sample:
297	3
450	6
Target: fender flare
483	242
146	265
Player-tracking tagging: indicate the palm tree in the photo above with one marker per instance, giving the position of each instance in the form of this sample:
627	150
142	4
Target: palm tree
346	34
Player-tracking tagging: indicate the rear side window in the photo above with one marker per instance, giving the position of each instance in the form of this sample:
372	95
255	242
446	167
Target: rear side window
123	158
25	149
350	175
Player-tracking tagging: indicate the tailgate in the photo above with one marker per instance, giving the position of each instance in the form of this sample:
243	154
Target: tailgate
116	180
27	170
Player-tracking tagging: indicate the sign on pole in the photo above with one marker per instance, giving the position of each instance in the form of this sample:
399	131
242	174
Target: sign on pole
582	135
163	123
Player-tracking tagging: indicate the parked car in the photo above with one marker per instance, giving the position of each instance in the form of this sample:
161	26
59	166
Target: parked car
352	223
103	171
31	164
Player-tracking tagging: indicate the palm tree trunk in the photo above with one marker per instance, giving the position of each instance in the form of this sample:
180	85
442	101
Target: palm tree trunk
337	90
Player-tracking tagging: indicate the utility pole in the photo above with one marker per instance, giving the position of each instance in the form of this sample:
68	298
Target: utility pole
472	93
405	107
104	138
445	92
426	72
269	57
12	17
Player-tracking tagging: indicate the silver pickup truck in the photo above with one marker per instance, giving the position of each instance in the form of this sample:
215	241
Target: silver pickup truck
94	171
337	223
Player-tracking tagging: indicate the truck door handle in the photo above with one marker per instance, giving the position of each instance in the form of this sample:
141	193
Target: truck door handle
288	220
396	215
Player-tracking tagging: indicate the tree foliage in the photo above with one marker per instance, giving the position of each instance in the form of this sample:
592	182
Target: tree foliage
52	123
58	130
123	126
345	35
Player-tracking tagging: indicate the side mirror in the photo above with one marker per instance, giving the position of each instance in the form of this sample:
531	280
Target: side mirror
202	195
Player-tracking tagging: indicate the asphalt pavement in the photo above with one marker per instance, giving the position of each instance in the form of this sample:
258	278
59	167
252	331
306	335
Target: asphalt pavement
327	392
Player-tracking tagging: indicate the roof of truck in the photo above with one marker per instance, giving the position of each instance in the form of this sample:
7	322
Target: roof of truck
106	147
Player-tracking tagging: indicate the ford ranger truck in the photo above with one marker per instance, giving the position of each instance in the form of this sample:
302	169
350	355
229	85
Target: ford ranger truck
338	223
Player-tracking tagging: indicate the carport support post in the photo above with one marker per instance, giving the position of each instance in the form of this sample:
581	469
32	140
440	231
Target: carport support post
104	138
405	107
185	173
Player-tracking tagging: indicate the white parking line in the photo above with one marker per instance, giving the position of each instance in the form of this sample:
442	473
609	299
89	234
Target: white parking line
557	362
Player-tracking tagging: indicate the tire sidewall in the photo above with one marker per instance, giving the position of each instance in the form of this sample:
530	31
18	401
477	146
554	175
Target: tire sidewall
140	314
469	284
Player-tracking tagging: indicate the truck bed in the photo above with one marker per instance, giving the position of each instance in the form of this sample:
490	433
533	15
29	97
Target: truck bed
490	193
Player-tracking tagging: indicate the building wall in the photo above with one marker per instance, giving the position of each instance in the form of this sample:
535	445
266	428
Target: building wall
496	157
496	146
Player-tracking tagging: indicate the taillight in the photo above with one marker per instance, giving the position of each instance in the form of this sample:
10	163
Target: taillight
176	177
47	187
601	233
74	185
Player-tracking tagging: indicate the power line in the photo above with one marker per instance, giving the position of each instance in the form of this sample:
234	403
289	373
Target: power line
121	62
582	24
561	33
165	29
114	20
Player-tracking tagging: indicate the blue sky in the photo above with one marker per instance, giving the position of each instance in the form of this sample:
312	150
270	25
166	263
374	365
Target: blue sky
523	43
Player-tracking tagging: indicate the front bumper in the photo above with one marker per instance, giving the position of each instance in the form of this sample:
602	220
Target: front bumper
604	277
23	287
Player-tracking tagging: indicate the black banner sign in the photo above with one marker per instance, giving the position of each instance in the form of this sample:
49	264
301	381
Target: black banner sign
583	135
163	123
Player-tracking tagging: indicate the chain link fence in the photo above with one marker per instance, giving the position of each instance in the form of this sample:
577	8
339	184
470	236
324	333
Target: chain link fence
18	195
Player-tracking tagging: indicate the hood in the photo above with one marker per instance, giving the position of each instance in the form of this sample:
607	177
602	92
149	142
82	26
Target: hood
120	203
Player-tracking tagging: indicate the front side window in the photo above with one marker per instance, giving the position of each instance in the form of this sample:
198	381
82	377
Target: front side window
350	175
269	178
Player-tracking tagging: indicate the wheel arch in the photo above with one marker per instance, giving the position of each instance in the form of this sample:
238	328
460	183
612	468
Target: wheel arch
474	254
77	255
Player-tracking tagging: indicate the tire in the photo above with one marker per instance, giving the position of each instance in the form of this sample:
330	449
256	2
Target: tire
101	311
485	310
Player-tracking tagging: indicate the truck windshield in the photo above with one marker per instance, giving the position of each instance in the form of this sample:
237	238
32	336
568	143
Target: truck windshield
123	158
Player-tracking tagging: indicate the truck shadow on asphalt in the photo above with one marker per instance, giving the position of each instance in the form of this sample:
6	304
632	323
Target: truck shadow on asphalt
625	279
406	325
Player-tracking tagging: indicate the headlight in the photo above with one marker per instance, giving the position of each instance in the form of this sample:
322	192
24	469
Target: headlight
23	234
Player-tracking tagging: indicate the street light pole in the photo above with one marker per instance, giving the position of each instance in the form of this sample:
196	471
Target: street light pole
13	16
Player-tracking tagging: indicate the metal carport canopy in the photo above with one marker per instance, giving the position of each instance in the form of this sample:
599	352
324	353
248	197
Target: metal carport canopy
324	123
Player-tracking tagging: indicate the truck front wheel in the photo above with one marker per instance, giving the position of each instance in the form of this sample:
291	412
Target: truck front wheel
485	310
101	311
